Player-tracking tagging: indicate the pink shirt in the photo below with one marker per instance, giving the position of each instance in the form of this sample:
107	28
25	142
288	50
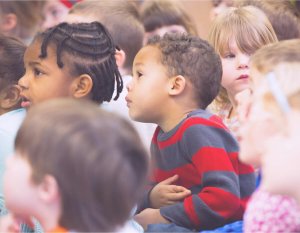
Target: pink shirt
267	212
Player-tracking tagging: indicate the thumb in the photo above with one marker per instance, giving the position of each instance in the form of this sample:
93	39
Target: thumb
170	180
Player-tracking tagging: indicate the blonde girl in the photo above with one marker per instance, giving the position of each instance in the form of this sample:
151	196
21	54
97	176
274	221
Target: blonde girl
236	34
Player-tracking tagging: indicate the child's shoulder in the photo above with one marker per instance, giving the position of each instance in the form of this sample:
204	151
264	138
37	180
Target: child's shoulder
10	121
204	117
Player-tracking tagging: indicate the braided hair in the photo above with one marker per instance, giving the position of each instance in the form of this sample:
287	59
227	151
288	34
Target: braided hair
87	48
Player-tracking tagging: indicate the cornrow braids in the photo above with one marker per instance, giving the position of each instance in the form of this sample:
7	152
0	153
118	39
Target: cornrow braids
87	48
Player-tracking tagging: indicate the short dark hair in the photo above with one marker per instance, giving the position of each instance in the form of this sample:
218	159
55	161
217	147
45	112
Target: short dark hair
157	13
87	49
193	58
122	20
96	157
11	64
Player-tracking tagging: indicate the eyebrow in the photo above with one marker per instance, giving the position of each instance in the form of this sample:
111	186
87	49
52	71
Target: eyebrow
33	63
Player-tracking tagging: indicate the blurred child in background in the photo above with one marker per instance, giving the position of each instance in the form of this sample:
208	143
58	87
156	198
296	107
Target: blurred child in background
283	15
165	16
20	19
83	173
11	113
55	12
275	86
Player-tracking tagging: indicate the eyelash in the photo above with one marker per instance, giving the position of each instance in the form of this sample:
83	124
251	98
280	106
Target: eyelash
37	72
230	55
139	74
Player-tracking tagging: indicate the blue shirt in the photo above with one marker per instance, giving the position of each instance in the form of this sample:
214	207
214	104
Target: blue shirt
9	125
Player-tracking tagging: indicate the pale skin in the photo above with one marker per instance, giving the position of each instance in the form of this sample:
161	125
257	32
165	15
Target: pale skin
41	200
282	155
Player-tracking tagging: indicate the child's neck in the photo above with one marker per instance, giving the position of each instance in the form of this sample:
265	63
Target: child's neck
174	119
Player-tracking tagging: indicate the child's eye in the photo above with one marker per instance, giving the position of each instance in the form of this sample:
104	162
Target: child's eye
139	74
229	55
37	72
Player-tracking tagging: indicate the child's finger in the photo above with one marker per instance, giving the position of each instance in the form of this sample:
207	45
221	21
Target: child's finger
170	180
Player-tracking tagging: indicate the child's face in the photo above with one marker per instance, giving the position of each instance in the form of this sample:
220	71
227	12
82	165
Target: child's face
235	70
19	191
43	78
147	92
54	12
256	124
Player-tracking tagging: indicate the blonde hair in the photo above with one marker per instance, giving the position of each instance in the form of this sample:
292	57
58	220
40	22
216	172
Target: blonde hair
283	59
248	26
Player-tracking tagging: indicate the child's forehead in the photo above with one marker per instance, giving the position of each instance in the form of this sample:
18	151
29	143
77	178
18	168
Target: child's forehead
34	49
149	52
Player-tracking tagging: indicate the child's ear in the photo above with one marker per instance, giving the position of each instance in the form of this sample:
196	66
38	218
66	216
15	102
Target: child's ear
11	97
9	22
82	86
176	85
120	57
48	190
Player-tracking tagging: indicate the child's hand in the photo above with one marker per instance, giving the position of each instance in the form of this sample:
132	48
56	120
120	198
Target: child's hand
281	162
164	193
149	216
9	223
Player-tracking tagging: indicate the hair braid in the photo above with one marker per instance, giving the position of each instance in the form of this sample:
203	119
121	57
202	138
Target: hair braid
89	49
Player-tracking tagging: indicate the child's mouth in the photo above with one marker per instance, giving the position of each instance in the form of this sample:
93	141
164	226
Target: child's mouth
25	103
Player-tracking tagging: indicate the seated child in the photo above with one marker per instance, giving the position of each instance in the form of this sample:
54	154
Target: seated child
80	168
274	71
71	60
236	34
197	181
11	113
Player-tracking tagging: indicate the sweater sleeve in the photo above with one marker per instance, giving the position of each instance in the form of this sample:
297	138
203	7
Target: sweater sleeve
213	153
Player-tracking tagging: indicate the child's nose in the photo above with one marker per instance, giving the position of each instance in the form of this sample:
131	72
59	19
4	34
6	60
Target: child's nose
243	61
129	85
23	83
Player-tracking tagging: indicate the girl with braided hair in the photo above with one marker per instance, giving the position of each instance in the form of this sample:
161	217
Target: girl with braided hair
71	60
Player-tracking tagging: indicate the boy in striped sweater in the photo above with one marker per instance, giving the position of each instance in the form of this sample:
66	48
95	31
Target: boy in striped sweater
197	181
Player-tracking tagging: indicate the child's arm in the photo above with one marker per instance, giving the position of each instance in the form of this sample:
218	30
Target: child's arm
213	152
149	216
165	193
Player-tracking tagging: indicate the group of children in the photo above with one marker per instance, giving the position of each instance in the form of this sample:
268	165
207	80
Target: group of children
84	169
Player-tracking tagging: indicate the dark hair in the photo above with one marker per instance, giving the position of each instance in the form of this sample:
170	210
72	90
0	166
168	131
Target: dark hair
96	157
122	20
283	15
87	48
158	13
11	60
194	59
